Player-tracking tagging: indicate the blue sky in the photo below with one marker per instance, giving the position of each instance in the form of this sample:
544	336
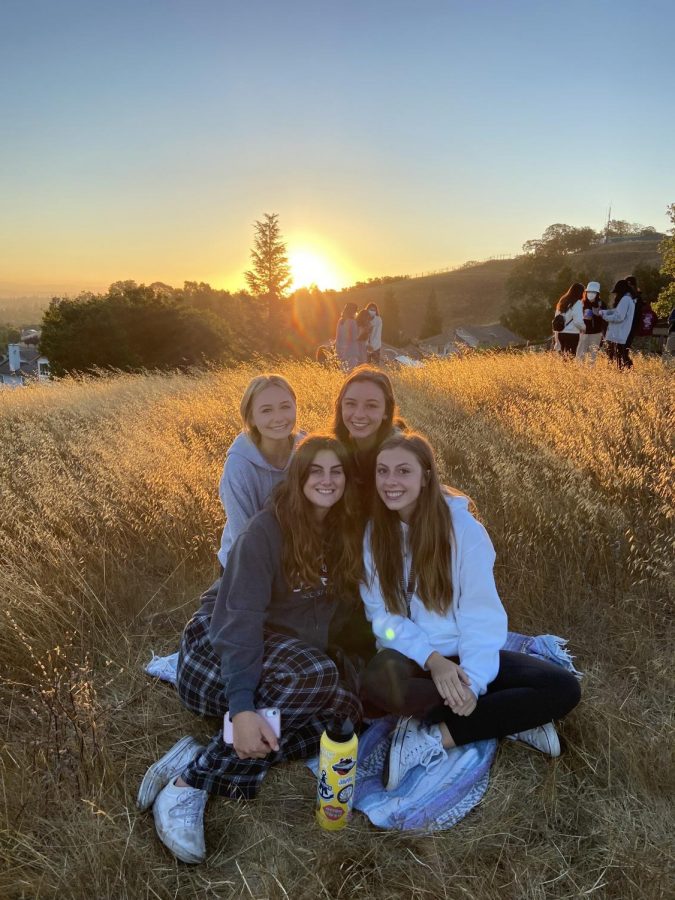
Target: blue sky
142	139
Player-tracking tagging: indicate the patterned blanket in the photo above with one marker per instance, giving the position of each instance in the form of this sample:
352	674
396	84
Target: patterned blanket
425	800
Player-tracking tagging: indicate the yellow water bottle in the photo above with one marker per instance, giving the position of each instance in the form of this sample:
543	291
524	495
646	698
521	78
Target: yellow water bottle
337	775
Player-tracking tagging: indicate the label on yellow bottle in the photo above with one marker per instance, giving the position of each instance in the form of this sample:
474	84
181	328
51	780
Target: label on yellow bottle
336	781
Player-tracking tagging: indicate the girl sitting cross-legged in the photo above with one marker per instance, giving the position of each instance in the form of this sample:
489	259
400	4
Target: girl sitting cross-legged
430	595
291	575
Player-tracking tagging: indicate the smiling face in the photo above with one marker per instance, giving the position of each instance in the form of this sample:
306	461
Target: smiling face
325	483
399	479
363	410
273	413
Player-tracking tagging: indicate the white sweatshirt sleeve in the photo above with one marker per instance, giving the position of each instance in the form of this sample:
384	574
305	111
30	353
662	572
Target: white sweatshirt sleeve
619	313
578	317
479	613
391	631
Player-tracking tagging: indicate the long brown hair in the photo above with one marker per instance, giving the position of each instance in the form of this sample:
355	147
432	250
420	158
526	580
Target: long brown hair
430	536
569	298
305	546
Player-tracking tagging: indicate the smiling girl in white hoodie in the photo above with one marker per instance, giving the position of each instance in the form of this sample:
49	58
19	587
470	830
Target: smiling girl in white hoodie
430	595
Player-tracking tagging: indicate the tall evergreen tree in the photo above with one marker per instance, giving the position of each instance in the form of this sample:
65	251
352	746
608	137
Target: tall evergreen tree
391	318
666	300
269	277
433	320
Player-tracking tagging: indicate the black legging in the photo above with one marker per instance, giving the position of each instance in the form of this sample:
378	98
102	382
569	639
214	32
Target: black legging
568	343
526	692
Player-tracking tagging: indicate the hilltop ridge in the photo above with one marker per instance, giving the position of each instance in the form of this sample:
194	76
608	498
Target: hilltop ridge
476	294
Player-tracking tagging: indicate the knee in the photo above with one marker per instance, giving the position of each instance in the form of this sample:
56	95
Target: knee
567	691
383	681
314	666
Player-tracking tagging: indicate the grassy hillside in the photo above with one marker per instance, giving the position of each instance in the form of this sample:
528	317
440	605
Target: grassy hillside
111	521
477	295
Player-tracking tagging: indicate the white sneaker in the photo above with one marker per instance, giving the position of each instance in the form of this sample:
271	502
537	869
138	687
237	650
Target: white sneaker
166	769
412	744
543	738
179	820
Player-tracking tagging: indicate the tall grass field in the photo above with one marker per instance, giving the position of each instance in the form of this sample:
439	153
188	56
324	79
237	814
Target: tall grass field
110	523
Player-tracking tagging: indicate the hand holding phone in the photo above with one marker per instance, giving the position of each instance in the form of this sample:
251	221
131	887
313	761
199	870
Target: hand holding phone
253	734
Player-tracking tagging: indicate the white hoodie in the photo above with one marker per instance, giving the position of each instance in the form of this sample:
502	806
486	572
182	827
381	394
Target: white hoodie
473	628
620	320
246	483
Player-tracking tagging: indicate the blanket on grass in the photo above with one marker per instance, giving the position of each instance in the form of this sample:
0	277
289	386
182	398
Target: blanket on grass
429	801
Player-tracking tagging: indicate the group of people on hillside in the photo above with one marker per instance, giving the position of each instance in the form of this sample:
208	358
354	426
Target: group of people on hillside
583	321
350	575
358	337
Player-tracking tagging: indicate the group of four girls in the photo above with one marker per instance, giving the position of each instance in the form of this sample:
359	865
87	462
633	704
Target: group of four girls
322	529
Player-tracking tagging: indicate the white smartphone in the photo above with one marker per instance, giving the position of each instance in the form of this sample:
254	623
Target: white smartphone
270	714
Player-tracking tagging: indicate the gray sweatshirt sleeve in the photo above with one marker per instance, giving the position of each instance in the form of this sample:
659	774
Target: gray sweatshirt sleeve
236	495
238	618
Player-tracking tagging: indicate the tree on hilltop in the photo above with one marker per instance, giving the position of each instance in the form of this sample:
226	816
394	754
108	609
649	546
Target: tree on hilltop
561	239
433	320
666	299
391	318
269	277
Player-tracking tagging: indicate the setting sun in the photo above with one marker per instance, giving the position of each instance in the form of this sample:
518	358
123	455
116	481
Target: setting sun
311	267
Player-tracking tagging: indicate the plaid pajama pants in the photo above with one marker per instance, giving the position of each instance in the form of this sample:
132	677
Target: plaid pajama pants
301	681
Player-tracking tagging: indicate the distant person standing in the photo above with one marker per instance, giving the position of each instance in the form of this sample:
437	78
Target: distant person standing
346	346
375	339
571	307
631	281
364	323
620	320
589	341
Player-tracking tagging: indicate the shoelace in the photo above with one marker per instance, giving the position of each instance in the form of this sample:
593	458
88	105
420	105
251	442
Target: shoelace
432	753
189	806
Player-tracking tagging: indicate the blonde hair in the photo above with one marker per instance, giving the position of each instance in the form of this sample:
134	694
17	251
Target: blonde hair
253	388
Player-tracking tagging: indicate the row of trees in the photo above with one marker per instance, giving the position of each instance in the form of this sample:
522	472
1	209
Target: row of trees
561	239
133	327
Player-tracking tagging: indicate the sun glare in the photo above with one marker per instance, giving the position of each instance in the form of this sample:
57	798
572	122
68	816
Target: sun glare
309	267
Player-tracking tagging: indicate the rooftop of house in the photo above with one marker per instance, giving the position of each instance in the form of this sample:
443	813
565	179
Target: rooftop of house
29	362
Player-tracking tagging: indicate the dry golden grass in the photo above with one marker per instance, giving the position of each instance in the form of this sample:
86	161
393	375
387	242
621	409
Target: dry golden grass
110	523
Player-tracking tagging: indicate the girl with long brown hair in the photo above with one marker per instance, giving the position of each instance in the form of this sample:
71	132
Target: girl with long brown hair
365	414
430	596
262	642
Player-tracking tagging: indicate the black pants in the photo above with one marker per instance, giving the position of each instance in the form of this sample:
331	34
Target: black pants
619	354
526	692
568	343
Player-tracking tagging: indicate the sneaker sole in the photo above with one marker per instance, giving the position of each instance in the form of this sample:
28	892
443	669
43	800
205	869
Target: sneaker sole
394	760
183	856
160	772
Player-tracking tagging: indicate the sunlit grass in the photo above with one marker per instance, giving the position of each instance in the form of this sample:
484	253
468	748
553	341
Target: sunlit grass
110	523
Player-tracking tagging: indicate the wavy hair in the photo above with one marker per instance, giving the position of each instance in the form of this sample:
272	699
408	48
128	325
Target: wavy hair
253	388
569	298
305	546
430	536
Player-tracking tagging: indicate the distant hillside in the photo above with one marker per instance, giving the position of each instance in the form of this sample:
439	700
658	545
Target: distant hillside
477	295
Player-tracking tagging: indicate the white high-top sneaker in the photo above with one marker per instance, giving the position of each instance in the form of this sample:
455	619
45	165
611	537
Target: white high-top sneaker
412	744
179	820
166	769
543	738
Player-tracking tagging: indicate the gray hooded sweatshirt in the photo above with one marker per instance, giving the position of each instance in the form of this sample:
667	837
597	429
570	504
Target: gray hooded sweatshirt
246	483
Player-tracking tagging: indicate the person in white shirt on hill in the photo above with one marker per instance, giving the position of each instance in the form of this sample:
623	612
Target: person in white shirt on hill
375	338
571	307
620	320
440	627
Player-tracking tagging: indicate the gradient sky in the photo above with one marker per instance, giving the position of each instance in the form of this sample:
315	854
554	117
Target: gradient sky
142	138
